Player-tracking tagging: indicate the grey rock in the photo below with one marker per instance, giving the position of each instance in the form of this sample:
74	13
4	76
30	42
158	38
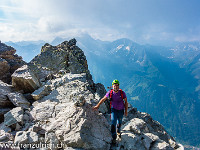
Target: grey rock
99	94
4	136
71	42
68	89
81	127
5	89
137	126
52	59
14	116
51	139
24	79
18	100
25	138
141	133
18	127
41	92
4	128
44	110
161	145
38	129
79	101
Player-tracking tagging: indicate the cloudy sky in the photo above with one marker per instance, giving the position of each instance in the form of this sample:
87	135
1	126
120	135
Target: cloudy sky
143	21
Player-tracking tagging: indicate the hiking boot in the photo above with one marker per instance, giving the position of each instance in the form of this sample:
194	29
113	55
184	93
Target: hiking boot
114	141
119	134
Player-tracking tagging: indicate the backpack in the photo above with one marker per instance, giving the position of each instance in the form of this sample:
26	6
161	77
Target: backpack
110	98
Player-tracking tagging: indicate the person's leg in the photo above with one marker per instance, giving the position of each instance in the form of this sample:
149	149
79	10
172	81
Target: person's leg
120	115
113	123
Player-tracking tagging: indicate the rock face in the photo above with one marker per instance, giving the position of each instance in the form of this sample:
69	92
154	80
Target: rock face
61	114
142	132
9	62
64	58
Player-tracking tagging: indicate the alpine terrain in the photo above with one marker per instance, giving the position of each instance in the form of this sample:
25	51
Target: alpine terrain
47	103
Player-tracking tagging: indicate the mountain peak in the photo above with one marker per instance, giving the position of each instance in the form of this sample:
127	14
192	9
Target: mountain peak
65	56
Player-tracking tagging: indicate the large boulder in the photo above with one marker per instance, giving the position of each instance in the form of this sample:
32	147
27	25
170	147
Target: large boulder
81	127
18	100
14	117
24	79
41	92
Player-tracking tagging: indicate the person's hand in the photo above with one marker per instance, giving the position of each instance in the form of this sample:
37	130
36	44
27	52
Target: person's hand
125	113
96	107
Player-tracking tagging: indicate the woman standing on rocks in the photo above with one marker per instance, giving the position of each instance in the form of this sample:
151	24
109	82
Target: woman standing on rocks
118	104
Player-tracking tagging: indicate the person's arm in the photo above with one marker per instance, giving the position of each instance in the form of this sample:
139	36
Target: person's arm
126	107
100	102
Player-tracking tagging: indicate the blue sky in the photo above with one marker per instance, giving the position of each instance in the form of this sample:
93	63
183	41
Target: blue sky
143	21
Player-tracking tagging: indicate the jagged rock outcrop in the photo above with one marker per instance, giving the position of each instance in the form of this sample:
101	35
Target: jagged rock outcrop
64	58
61	114
9	62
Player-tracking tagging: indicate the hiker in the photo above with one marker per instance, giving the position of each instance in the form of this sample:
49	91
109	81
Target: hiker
118	104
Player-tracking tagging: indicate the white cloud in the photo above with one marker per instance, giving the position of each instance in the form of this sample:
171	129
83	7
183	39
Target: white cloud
102	19
34	20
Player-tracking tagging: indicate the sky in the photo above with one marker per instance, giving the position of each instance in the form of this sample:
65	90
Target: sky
143	21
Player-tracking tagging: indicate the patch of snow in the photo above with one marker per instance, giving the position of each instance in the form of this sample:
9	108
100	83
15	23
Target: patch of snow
119	47
128	48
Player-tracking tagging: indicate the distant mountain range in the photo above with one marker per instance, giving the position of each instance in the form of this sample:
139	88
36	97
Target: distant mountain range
162	81
27	49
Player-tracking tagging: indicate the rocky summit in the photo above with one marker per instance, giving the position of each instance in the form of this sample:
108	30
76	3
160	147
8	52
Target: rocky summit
49	106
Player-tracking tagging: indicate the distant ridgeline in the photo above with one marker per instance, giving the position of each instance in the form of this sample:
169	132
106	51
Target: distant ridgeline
48	104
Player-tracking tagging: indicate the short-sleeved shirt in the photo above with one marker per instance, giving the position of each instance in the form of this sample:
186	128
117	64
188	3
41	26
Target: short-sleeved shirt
117	101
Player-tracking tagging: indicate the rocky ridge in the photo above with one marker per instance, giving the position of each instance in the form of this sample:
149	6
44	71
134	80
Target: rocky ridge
50	106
